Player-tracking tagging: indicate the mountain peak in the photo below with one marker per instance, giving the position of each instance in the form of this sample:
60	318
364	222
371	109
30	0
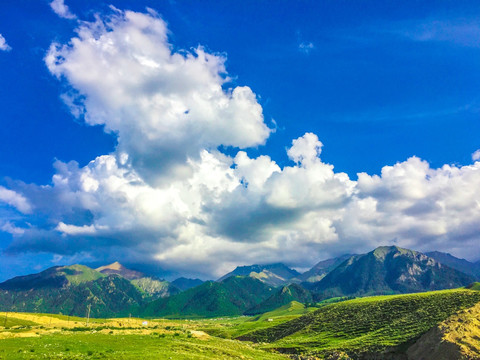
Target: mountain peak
272	274
113	266
382	251
119	269
389	269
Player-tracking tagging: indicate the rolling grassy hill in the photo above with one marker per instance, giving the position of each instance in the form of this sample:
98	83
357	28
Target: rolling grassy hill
378	325
474	286
285	295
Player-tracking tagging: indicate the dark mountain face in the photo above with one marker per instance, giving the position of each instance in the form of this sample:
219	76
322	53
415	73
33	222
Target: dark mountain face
272	274
54	277
229	297
283	296
462	265
389	270
318	272
46	279
185	284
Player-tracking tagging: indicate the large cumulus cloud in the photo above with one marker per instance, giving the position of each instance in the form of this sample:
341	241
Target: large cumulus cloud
164	105
168	195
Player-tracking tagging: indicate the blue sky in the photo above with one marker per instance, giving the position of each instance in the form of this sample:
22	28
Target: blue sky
377	83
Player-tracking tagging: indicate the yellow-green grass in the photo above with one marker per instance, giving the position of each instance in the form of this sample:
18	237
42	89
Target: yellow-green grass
46	336
89	345
474	286
230	328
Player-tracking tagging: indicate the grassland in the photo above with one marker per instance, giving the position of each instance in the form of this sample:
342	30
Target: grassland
381	325
231	328
378	324
44	336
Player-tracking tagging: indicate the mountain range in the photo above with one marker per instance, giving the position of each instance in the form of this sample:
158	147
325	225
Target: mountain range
272	274
114	290
389	270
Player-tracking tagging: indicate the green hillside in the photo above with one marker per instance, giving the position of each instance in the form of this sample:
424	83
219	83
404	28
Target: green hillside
154	288
108	296
77	274
389	270
293	308
282	296
375	325
474	286
183	283
230	297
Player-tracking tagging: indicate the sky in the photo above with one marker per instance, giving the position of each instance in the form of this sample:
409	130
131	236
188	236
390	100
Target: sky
186	138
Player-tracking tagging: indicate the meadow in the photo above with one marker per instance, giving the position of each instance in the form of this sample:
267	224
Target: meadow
45	336
385	325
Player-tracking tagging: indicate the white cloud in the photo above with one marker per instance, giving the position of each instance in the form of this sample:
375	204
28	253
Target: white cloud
62	10
15	199
476	155
306	47
168	195
165	106
3	44
11	228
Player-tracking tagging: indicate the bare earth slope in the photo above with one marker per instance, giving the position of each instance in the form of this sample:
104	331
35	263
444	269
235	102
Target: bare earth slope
458	337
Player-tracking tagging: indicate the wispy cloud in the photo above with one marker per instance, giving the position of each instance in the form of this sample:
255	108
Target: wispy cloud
3	44
62	10
463	32
306	47
405	115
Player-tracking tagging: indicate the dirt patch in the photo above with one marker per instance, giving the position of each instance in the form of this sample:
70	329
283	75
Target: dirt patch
455	338
199	334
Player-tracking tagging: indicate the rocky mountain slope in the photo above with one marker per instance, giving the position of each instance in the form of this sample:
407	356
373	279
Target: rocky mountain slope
272	274
389	270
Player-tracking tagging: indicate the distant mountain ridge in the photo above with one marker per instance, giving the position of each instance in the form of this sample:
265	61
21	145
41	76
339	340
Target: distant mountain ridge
271	274
322	268
184	283
462	265
115	290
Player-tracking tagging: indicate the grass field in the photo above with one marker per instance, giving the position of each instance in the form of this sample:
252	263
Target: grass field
380	325
44	336
363	325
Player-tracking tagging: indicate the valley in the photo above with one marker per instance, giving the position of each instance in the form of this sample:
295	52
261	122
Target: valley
390	303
